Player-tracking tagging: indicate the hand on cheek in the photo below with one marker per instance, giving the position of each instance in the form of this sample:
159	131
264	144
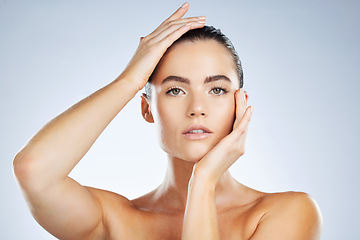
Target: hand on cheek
240	106
215	163
242	120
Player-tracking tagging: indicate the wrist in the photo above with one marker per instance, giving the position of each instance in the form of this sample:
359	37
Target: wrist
206	173
136	83
202	179
127	84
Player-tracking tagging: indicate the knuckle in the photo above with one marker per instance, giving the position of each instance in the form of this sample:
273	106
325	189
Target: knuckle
169	38
145	39
170	23
167	21
194	19
241	130
151	47
239	150
173	26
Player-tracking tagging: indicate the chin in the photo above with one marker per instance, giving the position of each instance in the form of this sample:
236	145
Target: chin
189	151
195	157
192	159
193	153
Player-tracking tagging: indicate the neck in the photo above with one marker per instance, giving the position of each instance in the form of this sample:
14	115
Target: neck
173	190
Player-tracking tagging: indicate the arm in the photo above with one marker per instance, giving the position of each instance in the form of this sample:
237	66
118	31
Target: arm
200	220
61	205
294	216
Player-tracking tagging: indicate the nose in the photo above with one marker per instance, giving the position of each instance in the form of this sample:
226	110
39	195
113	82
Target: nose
196	107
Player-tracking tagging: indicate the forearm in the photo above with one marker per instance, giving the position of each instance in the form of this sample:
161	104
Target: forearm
55	150
200	218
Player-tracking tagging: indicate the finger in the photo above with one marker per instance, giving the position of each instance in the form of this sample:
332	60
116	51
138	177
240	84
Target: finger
164	28
247	95
173	32
244	122
240	106
179	13
189	19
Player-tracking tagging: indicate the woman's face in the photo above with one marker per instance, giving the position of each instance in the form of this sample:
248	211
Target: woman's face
192	103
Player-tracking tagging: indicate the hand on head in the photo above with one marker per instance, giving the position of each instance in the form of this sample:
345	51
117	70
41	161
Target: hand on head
149	52
152	47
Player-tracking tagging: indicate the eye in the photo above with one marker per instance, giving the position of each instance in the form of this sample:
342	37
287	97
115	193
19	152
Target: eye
174	91
218	90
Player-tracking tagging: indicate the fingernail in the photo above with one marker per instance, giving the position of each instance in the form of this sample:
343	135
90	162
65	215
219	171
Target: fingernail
202	17
185	5
251	109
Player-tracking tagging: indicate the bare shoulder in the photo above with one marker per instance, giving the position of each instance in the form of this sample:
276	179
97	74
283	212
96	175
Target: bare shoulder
296	204
283	199
102	195
110	200
289	215
119	214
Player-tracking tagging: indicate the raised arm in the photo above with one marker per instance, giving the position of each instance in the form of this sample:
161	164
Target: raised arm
61	205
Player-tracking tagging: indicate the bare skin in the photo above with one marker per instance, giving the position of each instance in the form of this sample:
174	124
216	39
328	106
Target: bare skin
198	198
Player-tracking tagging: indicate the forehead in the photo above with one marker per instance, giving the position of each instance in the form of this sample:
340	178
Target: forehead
196	61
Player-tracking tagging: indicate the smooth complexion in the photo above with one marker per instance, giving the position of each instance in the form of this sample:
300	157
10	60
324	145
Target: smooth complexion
201	127
193	89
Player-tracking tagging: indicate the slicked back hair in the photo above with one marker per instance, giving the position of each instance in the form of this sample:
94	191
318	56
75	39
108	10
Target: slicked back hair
206	33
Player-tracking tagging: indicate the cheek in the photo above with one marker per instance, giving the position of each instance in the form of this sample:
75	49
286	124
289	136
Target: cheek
168	117
223	112
167	114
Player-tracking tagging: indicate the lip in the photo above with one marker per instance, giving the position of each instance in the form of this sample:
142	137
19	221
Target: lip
197	136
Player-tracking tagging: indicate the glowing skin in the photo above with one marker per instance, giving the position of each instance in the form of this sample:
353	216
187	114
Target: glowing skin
196	101
195	201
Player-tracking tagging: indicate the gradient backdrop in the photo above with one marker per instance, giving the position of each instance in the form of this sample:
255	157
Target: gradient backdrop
301	61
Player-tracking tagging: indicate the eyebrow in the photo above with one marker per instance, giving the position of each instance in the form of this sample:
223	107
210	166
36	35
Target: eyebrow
187	81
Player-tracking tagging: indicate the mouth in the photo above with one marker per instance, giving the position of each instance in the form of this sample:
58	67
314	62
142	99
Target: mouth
197	132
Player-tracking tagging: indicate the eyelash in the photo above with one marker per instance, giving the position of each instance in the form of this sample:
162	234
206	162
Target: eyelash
169	92
222	89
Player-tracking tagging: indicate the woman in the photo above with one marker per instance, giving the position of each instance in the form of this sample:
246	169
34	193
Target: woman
195	99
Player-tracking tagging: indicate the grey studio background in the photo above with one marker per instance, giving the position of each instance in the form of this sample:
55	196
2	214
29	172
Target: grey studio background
301	61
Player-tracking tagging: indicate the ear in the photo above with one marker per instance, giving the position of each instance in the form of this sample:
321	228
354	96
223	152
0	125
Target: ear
145	109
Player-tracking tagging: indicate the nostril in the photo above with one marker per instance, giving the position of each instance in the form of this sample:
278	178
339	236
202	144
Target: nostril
193	114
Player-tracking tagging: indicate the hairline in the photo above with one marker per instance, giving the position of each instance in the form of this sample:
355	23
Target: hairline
205	39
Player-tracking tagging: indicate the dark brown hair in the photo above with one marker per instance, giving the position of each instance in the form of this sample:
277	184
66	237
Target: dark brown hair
207	33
